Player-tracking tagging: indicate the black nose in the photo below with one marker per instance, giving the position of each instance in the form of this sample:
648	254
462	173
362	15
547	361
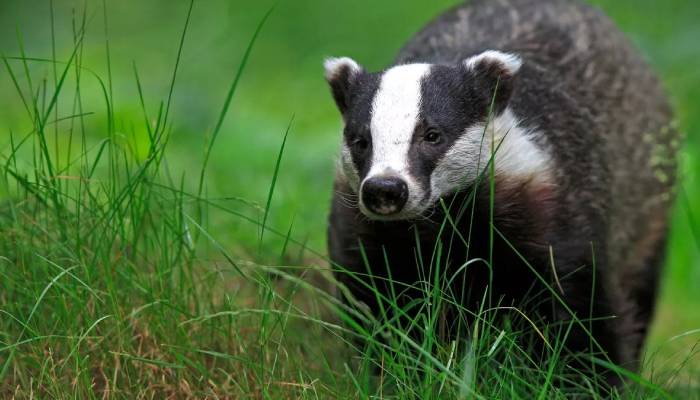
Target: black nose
384	195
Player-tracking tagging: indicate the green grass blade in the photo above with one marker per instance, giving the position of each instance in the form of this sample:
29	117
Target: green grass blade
273	184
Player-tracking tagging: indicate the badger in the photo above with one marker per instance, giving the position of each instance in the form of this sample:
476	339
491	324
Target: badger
529	134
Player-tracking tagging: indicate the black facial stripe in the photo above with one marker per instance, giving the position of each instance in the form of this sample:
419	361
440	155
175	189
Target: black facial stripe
358	118
447	105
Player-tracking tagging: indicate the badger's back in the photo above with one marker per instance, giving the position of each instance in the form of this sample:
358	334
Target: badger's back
596	107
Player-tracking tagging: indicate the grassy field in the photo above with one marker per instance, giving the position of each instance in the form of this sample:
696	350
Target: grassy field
166	175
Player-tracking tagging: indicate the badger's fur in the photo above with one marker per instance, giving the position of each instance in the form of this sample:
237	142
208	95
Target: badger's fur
581	137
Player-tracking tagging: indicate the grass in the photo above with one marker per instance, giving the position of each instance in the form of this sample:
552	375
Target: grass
140	260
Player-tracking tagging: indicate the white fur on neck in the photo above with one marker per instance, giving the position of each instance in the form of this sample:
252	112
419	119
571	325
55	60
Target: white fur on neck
347	168
516	156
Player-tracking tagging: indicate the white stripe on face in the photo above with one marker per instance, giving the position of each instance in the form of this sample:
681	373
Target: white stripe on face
395	113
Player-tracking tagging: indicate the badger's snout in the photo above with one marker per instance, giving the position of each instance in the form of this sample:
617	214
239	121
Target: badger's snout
384	195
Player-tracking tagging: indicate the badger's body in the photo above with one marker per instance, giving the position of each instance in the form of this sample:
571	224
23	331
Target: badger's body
583	166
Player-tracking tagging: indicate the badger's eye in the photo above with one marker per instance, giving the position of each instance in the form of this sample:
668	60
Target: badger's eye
432	136
360	143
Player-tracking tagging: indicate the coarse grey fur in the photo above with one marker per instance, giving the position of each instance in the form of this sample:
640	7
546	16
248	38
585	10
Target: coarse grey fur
602	115
597	104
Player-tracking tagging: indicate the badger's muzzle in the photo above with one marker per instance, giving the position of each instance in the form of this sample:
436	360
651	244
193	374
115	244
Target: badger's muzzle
384	195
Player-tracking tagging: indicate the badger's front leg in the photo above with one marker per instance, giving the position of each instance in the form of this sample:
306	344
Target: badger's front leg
373	261
586	307
543	258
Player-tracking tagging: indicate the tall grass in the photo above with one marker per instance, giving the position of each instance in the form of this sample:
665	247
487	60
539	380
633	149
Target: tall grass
112	283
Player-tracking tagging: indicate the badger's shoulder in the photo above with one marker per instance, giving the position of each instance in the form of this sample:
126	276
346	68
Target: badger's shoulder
561	29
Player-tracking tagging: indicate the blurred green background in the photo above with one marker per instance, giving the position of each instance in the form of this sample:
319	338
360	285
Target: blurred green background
283	80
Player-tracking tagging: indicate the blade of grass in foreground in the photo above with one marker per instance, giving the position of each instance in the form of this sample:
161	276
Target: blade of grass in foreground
274	181
229	97
53	281
177	62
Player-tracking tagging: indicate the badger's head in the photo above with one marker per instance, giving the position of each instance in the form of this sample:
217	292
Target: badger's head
417	132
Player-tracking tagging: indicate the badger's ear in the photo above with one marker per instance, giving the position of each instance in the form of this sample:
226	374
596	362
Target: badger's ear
341	73
493	73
